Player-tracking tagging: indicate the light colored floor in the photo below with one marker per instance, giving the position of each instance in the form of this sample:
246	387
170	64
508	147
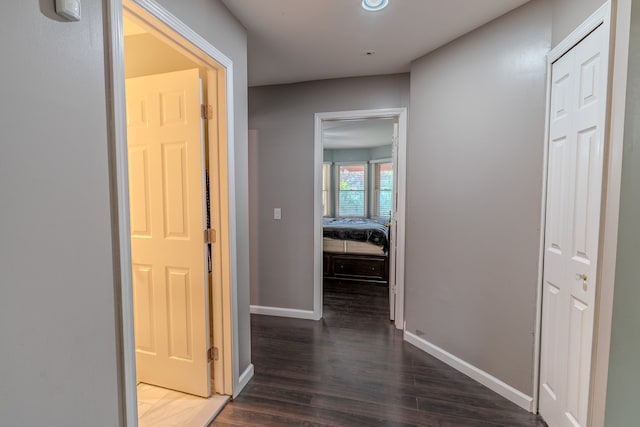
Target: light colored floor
159	407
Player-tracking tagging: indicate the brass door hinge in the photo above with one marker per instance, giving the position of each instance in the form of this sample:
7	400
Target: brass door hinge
209	236
206	111
212	354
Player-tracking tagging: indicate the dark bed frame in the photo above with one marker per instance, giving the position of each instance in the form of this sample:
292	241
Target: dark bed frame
372	269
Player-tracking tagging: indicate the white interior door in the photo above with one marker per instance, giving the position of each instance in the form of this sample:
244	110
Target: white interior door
574	187
166	184
394	225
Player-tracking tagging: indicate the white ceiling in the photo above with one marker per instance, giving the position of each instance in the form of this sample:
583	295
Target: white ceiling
362	133
301	40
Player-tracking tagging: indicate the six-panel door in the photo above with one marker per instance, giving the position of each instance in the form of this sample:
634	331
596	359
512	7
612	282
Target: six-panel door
574	187
165	142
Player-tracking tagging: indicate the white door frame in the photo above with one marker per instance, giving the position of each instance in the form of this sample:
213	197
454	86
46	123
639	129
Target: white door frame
180	33
611	210
614	129
401	114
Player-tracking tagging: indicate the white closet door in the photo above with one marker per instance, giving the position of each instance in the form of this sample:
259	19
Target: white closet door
574	189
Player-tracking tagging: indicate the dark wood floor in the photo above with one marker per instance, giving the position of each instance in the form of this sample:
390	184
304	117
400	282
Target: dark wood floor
353	369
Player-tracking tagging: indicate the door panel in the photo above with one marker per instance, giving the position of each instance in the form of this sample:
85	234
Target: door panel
574	186
144	319
556	196
179	314
176	205
579	331
140	218
584	189
166	179
549	376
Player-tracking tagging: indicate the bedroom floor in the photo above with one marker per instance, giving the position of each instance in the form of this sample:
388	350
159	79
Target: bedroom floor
159	407
353	369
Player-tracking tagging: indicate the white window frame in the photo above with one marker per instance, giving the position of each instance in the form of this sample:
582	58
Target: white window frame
328	212
336	187
373	199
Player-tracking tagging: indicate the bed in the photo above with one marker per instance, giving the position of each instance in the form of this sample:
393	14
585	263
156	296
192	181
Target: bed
356	249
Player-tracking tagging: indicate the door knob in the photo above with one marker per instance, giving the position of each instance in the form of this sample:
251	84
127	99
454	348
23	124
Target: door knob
582	277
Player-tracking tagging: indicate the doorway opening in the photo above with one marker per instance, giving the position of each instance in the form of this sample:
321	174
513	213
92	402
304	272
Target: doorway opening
175	212
360	159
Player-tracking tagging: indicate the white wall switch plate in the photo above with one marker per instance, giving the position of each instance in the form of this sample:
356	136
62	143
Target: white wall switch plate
277	213
69	9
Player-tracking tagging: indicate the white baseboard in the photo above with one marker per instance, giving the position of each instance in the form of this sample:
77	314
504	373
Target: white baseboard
484	378
283	312
244	379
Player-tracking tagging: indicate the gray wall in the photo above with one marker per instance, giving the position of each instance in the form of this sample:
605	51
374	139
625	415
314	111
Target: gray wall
283	117
624	376
213	21
57	316
568	14
476	136
57	303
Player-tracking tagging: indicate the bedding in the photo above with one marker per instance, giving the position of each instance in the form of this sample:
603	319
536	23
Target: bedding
372	231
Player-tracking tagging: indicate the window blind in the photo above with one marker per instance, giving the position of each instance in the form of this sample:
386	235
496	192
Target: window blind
352	190
383	187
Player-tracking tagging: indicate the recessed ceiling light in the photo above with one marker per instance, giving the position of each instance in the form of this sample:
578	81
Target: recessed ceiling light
374	5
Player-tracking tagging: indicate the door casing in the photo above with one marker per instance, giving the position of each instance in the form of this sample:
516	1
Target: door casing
175	33
401	115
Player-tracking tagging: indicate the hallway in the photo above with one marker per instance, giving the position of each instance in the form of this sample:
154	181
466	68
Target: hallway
353	369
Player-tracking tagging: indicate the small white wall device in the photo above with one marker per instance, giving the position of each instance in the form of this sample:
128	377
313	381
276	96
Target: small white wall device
69	9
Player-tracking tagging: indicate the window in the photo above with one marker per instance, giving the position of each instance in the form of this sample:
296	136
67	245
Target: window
352	190
326	185
383	190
